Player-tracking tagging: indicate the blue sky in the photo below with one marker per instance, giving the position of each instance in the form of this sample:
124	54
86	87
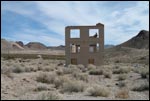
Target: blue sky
45	21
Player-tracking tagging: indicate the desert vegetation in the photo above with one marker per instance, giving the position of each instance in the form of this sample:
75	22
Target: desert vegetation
46	80
98	91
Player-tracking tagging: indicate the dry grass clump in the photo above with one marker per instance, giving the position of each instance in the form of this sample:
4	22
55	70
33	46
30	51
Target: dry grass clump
123	93
82	67
6	71
122	77
68	70
60	71
141	87
121	70
18	69
41	87
121	84
73	86
47	69
59	81
71	69
80	76
96	72
52	78
91	66
33	68
27	69
116	67
22	65
72	66
98	91
147	77
8	64
49	96
107	74
46	77
144	72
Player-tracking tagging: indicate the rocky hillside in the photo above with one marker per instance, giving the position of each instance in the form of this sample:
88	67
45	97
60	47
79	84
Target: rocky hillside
36	45
19	45
10	45
140	41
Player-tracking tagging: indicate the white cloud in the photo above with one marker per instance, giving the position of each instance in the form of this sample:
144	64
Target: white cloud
30	35
120	23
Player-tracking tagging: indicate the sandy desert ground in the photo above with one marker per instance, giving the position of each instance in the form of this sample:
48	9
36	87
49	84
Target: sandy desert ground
48	79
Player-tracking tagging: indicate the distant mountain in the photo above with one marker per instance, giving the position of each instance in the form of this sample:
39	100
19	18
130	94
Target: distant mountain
140	41
20	43
10	45
36	45
108	46
61	47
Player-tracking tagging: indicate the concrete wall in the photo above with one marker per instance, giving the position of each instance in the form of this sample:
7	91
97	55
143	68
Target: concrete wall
84	42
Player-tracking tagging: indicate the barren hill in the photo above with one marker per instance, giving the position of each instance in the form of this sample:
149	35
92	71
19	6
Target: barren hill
5	45
135	50
36	45
140	41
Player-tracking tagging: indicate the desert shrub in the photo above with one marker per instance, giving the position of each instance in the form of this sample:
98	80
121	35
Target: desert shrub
107	74
41	87
73	86
121	70
116	71
71	69
82	67
121	77
80	76
59	72
144	72
116	67
7	71
49	96
96	72
46	77
46	64
27	69
48	69
141	87
98	91
67	70
123	93
8	64
91	66
117	61
22	65
18	69
59	80
72	66
121	84
124	70
136	70
147	77
39	68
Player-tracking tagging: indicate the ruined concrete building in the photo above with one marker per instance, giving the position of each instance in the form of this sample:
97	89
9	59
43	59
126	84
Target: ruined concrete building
84	44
